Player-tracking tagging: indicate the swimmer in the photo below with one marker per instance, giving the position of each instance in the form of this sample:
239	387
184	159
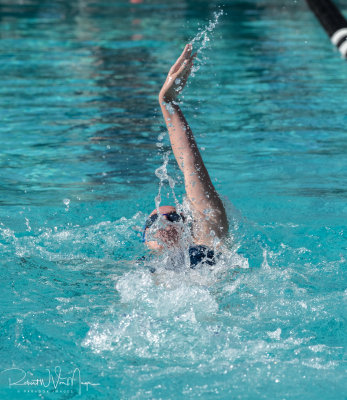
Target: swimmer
209	216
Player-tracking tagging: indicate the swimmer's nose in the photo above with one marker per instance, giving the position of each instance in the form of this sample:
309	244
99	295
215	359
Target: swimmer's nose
170	233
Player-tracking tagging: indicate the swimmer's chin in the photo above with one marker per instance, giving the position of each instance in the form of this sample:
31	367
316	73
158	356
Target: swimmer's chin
153	245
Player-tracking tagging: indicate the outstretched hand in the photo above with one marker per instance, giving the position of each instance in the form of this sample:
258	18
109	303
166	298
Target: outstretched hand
177	76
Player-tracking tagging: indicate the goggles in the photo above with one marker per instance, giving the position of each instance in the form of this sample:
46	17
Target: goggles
171	217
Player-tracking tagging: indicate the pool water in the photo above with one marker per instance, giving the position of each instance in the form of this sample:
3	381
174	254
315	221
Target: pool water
82	140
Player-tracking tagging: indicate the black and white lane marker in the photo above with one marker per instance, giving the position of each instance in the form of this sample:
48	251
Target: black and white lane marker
339	39
332	21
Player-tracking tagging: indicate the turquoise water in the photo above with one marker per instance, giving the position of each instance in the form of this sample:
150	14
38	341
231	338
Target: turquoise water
81	140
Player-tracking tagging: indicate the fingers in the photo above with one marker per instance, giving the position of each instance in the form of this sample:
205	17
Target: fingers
186	64
186	72
186	54
182	68
186	67
187	51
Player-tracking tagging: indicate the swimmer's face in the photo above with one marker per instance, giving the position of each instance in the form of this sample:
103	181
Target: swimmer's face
169	233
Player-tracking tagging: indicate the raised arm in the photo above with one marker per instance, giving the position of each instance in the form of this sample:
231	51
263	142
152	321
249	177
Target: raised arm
208	210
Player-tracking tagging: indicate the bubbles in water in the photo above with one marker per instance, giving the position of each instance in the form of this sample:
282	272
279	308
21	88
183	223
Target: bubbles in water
27	223
276	334
67	204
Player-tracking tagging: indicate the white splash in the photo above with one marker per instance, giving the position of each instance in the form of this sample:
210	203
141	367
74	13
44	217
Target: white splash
202	39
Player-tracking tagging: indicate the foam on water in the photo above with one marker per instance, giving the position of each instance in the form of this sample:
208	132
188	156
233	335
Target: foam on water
227	314
208	320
